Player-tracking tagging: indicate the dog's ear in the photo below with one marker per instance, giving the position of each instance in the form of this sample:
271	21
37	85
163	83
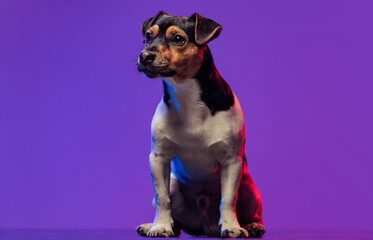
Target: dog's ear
150	21
205	29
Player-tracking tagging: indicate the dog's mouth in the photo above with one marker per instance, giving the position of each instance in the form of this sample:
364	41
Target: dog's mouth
153	71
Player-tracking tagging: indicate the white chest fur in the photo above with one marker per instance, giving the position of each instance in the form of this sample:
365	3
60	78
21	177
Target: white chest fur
188	133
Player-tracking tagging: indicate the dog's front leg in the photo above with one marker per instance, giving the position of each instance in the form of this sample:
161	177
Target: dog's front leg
230	178
160	171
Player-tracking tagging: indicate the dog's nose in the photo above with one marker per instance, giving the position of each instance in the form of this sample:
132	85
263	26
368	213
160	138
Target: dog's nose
146	57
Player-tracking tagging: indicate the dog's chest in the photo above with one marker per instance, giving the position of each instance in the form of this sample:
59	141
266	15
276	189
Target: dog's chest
199	139
188	122
200	148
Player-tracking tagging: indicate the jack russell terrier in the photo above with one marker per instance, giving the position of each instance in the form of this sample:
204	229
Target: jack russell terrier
197	160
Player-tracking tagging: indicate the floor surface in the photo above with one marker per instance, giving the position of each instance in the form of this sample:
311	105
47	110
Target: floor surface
120	234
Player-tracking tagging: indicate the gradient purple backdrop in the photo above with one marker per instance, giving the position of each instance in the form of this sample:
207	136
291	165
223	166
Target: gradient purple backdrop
75	114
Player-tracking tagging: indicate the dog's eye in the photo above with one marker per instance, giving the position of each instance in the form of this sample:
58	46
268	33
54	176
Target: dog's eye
178	40
148	37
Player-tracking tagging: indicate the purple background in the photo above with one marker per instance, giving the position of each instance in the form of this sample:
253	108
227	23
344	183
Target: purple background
75	113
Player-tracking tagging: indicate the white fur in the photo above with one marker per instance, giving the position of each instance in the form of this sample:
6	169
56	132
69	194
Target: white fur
193	130
199	144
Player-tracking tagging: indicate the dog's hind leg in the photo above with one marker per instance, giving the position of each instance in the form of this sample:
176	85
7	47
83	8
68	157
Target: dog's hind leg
255	230
249	205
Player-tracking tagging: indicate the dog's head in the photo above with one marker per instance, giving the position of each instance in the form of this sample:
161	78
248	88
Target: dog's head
175	45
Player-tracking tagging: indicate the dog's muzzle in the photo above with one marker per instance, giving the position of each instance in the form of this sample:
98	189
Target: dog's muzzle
147	64
146	58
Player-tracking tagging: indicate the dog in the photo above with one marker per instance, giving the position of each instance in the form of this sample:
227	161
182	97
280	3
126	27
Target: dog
197	160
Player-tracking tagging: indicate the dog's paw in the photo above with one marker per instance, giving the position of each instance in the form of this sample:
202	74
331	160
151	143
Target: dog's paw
143	229
234	232
256	230
159	230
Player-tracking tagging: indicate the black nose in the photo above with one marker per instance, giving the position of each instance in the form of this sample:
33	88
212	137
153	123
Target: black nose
146	57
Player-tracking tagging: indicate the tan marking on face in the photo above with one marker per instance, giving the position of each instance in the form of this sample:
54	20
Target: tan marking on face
153	31
173	30
186	59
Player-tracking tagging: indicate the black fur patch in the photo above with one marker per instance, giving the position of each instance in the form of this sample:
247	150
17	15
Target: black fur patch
166	95
187	25
216	93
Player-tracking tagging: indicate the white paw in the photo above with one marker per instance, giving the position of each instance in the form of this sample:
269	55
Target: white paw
234	232
143	229
160	230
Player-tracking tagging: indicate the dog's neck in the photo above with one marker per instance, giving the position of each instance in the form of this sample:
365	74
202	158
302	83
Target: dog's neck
184	98
206	89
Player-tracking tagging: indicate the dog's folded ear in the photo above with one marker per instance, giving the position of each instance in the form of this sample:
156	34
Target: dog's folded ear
205	29
150	21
